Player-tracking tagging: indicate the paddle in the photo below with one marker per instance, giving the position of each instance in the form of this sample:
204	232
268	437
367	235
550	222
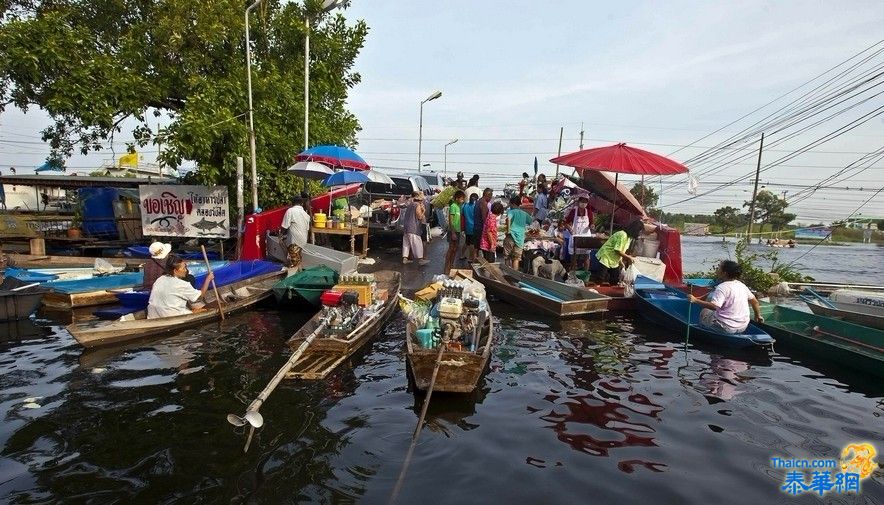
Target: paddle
252	416
214	287
26	286
419	427
687	336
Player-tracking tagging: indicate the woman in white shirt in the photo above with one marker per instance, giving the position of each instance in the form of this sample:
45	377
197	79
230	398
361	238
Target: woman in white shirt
171	294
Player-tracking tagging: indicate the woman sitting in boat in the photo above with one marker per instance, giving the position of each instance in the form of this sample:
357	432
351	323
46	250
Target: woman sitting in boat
171	294
728	306
612	254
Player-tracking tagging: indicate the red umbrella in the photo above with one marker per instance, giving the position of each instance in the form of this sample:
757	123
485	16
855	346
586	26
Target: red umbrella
620	158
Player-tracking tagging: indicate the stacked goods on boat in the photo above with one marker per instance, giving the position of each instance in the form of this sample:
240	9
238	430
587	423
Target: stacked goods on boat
453	314
308	285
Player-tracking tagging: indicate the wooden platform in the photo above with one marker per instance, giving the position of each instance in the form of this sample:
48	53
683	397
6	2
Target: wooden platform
316	365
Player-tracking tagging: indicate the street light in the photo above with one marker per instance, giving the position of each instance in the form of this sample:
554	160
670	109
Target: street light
251	117
445	158
327	6
420	130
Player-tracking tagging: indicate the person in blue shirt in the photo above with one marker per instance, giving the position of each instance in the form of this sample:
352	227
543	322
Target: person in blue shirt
469	225
517	221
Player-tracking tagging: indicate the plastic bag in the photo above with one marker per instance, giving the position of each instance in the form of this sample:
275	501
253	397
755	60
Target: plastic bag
630	274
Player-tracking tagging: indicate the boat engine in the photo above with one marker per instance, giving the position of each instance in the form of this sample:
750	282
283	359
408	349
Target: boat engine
459	320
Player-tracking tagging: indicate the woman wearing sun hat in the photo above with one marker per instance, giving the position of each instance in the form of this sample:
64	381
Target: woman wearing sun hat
155	267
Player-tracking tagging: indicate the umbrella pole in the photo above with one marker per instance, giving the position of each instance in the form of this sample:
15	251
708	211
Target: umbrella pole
614	202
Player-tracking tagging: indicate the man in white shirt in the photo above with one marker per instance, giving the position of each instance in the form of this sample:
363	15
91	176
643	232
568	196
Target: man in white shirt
297	222
171	294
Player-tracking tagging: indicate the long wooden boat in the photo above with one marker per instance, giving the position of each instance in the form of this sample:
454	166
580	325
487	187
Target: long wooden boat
542	295
870	316
18	299
669	307
459	371
848	344
35	261
328	351
236	296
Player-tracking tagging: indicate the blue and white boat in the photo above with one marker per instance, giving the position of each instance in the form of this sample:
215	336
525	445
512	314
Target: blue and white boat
668	307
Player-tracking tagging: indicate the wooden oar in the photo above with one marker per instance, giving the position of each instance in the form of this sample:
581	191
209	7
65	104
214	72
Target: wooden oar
214	287
419	427
252	416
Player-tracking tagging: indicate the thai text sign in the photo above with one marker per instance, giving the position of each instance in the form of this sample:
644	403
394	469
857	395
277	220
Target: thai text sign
184	211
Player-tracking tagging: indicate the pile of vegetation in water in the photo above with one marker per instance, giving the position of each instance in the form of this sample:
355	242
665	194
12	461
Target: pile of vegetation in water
756	277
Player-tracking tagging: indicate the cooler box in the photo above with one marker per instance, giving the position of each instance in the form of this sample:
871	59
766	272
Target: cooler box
651	267
362	290
331	298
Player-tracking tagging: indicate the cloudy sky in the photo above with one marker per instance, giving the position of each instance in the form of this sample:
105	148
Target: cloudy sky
657	75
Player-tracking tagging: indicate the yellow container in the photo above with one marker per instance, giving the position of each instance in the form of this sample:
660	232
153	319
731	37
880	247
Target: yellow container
319	220
363	290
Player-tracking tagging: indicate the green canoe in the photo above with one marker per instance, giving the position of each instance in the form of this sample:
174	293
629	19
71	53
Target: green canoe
306	285
851	345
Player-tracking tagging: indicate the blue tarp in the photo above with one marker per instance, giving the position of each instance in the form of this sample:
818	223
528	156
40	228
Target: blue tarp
114	281
26	275
234	272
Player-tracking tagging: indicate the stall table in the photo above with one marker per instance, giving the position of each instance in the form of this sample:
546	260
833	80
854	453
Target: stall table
351	231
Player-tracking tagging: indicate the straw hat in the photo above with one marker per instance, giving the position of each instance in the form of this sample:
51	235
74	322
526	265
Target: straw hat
159	250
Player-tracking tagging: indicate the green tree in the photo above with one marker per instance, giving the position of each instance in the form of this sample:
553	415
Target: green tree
727	218
769	209
93	64
645	195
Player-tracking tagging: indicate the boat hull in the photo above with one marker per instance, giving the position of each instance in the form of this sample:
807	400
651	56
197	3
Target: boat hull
581	302
850	345
459	371
861	318
100	333
15	305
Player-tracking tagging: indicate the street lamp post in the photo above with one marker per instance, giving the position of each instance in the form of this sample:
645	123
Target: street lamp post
420	130
327	6
251	116
445	157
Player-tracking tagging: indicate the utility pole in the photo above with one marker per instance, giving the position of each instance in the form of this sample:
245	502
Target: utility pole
159	150
754	191
561	132
581	136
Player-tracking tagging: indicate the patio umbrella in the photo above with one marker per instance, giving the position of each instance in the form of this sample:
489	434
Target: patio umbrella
310	170
334	156
620	158
380	177
345	177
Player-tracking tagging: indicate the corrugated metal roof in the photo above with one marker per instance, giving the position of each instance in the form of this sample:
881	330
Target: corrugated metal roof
79	181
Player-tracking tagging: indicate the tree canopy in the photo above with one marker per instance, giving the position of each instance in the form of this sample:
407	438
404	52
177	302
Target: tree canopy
93	64
770	209
728	218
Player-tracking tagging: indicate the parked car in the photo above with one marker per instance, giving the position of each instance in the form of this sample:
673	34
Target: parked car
434	179
386	201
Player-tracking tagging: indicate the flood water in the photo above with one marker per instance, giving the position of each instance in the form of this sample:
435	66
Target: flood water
605	411
853	263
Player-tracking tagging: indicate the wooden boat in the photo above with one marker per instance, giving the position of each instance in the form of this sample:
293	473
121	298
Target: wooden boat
18	299
870	315
328	351
459	370
236	296
668	307
851	345
306	286
542	295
